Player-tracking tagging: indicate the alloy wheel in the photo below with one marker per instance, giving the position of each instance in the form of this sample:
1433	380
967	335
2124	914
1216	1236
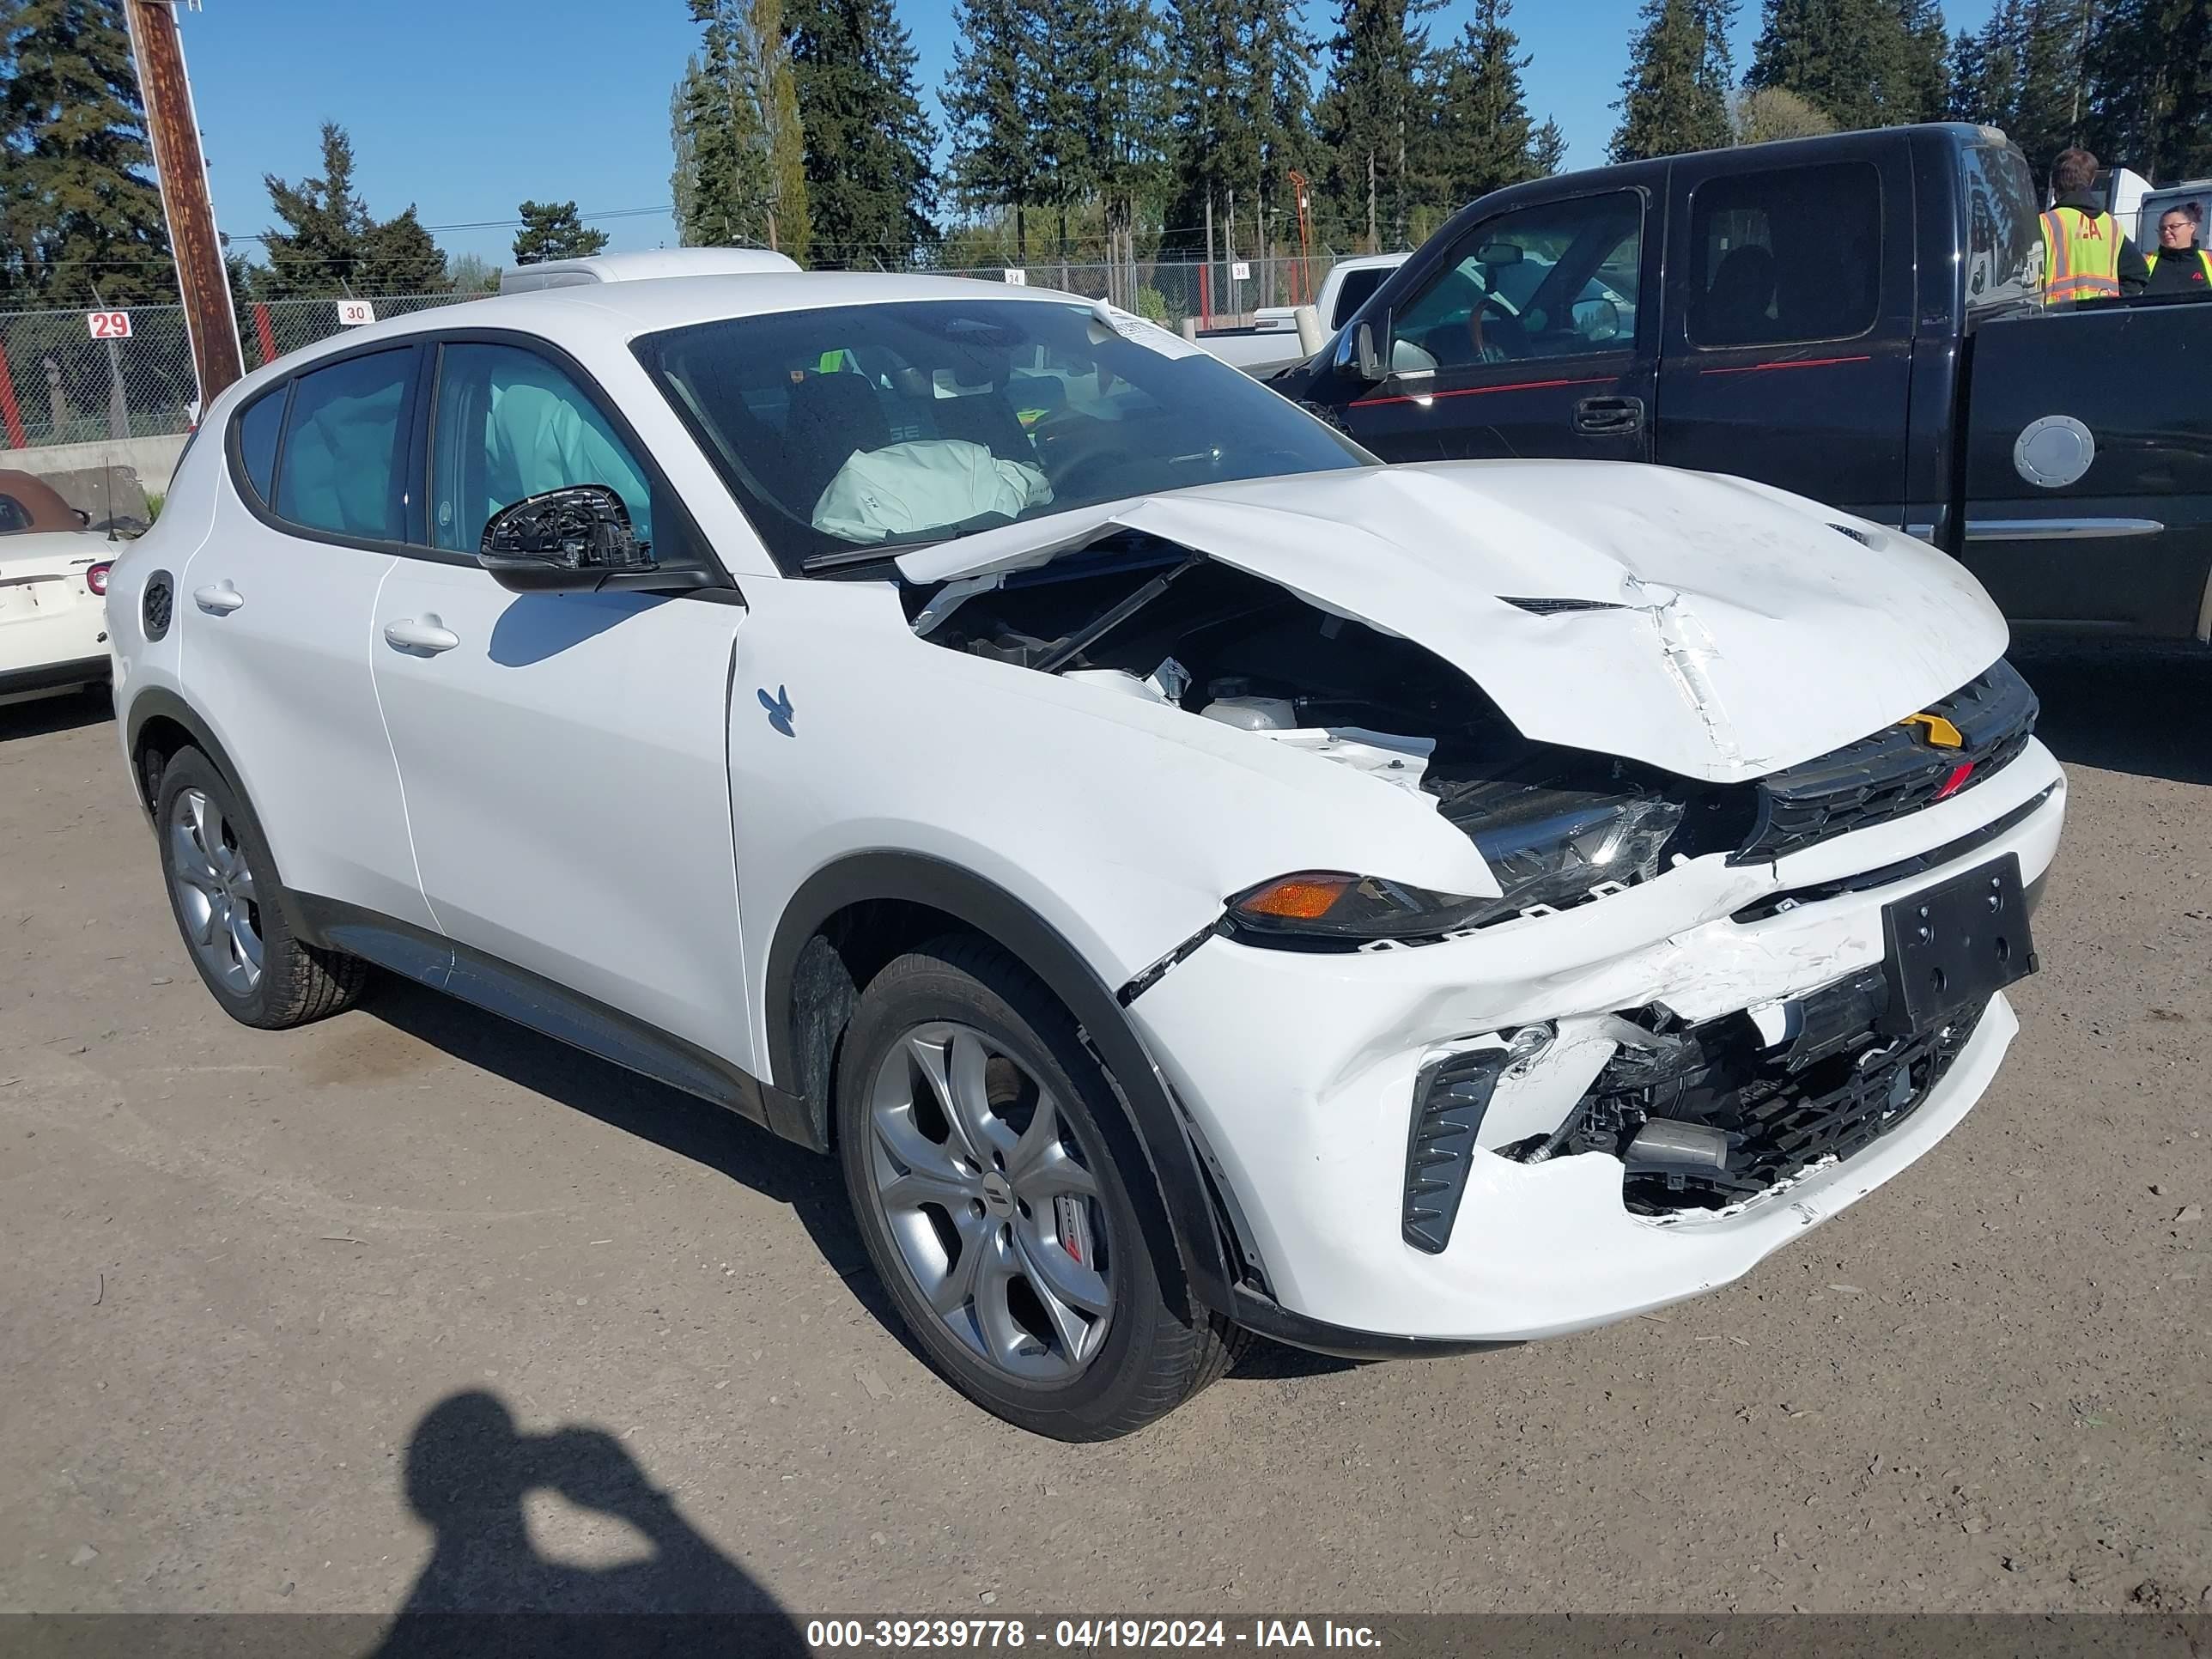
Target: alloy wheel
215	891
995	1212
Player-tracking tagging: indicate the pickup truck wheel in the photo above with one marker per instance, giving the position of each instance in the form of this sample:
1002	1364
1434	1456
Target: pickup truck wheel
222	889
972	1131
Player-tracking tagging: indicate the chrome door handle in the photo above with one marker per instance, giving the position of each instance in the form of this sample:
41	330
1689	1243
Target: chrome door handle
218	598
426	634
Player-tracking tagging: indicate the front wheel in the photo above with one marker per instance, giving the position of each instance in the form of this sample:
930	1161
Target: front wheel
985	1155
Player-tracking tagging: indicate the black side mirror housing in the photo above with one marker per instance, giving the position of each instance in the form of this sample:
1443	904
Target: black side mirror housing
577	539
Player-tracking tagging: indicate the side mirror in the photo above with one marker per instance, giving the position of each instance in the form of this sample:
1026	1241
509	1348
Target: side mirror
1368	360
1597	320
576	538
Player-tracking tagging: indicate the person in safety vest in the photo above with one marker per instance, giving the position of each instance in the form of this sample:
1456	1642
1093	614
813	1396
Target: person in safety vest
2086	256
2179	265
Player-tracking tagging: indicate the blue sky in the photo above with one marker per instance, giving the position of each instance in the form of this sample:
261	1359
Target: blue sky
466	107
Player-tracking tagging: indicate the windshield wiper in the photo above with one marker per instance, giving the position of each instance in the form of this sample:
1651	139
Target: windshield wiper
887	550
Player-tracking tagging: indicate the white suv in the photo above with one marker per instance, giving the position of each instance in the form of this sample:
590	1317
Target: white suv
1196	879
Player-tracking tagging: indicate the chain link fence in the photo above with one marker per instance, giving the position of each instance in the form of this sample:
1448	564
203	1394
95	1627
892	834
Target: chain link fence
59	383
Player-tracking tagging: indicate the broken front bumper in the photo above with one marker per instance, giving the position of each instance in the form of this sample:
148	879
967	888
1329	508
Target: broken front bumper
1299	1073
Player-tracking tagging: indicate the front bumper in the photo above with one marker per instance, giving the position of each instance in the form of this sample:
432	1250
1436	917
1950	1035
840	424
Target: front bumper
1298	1072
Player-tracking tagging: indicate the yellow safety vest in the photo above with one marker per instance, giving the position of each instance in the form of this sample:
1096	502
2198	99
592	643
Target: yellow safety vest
2202	258
2081	256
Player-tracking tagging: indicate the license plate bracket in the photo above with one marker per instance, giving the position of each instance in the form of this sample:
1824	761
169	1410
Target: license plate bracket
1955	945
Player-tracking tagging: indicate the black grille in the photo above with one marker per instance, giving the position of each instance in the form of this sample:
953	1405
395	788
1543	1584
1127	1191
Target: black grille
1448	1103
1831	1090
1896	771
155	606
1556	607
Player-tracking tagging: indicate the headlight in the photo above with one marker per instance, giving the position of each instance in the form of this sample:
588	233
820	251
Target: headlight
1553	856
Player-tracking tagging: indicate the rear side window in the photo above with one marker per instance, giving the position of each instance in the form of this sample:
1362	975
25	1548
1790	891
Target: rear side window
2004	245
1357	285
257	442
1786	258
13	516
345	447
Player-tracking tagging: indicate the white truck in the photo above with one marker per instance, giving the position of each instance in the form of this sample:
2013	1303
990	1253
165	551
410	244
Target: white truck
1272	343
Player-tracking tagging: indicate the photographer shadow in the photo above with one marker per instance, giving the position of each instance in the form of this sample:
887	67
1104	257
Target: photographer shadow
487	1589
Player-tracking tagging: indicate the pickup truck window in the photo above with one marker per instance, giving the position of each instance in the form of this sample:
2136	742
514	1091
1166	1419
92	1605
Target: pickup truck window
1353	292
1787	256
1548	281
2005	253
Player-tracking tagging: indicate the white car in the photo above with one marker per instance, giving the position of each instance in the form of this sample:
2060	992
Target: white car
1196	879
54	575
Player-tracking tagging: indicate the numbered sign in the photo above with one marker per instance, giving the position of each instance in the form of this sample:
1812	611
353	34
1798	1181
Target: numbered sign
1016	279
352	313
1241	271
108	325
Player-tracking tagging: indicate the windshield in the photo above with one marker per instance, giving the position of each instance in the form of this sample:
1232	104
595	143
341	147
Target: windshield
857	427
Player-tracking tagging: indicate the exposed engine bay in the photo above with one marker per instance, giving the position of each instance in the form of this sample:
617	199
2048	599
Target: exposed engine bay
1147	618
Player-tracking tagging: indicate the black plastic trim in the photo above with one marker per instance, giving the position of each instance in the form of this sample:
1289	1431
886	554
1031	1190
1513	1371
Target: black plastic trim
1256	1314
49	675
516	994
967	899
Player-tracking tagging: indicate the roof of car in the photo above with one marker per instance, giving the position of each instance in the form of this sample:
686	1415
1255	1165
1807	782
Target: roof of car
41	501
629	308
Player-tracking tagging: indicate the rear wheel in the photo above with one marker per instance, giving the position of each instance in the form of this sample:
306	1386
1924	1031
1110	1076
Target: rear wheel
985	1155
223	891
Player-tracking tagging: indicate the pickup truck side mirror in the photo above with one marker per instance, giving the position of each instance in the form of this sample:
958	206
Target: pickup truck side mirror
575	538
1367	361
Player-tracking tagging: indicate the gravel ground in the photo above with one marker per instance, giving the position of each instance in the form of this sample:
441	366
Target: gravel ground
415	1308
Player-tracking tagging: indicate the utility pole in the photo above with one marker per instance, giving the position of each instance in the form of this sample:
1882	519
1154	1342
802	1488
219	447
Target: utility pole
174	134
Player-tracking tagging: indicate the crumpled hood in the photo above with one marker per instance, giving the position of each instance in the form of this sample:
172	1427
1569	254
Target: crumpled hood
1727	628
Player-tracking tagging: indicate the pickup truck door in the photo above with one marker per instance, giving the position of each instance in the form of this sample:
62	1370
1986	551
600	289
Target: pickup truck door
1787	350
564	756
1524	341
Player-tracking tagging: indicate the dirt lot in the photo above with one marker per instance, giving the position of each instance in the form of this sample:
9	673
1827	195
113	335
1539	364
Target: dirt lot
408	1307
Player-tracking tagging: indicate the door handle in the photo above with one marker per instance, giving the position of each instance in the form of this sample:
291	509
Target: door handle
425	635
1609	416
218	598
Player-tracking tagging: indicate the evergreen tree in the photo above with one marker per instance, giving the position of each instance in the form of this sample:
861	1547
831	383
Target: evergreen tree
1852	60
1673	99
2052	46
1924	91
1375	116
869	185
1279	110
1483	131
1212	148
335	244
552	230
1547	151
1985	69
740	170
994	102
1109	50
2150	74
80	219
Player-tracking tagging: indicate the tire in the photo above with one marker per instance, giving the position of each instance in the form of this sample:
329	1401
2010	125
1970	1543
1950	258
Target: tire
1060	1218
228	903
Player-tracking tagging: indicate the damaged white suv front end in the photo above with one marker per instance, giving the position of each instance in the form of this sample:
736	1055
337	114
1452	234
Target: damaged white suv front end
1702	825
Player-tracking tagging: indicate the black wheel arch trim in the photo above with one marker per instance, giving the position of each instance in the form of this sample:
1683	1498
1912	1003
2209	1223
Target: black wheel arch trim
979	904
1262	1317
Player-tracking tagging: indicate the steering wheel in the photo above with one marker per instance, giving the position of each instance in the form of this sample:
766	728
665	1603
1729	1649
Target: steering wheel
1501	340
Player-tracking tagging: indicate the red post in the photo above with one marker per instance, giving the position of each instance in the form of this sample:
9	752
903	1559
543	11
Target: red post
1205	295
8	412
268	335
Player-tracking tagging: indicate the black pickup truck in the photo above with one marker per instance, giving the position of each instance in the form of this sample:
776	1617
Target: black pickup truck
1855	318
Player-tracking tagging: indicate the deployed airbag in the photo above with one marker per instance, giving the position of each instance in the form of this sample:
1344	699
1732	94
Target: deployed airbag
926	484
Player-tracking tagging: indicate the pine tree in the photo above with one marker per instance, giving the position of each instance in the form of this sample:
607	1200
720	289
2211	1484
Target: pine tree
1110	52
1482	130
1278	57
335	244
2051	46
80	218
552	230
1985	69
1852	60
740	171
869	185
1547	151
995	99
2150	72
398	256
1211	147
1673	99
1375	116
1925	90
